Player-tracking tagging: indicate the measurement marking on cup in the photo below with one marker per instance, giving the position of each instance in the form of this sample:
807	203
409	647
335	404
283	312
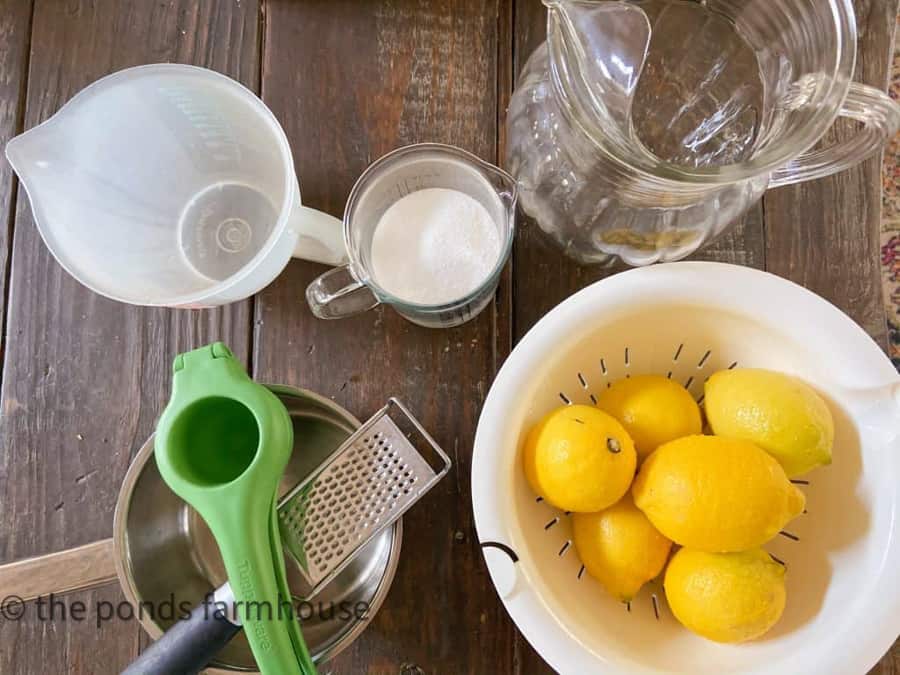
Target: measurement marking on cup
794	537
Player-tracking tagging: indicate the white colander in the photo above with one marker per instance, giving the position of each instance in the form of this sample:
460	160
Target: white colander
688	320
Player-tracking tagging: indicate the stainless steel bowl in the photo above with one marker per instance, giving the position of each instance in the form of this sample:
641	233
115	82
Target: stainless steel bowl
165	552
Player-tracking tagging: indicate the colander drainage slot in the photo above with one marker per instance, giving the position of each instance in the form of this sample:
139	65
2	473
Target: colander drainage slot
564	549
790	536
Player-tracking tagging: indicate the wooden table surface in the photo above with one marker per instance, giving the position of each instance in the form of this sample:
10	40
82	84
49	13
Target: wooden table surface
84	378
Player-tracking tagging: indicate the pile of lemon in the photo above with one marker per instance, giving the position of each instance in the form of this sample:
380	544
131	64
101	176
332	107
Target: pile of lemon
638	475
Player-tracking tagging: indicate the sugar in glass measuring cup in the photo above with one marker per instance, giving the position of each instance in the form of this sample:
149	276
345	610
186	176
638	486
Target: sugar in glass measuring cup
356	287
170	185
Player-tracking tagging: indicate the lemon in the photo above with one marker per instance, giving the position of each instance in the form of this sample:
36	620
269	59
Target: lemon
715	494
781	414
620	548
579	458
726	597
653	409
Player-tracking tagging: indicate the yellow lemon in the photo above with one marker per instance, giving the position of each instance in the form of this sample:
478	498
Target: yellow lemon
726	597
653	409
620	548
716	494
781	414
579	459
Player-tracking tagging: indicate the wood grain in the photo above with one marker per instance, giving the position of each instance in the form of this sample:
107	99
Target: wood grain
824	234
15	36
349	82
84	377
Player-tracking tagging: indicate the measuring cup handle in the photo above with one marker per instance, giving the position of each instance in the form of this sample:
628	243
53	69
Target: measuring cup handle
339	293
880	116
321	236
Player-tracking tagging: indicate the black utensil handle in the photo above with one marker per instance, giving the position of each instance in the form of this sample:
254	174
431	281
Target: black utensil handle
188	646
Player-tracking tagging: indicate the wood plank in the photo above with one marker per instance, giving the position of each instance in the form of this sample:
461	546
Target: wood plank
15	36
84	377
408	71
825	234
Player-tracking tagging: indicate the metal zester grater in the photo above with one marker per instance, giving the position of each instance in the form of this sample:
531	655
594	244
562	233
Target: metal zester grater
367	484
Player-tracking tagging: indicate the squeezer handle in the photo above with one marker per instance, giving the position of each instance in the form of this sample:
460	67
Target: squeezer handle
188	646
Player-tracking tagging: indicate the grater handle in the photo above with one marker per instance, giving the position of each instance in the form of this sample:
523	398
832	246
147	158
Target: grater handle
440	463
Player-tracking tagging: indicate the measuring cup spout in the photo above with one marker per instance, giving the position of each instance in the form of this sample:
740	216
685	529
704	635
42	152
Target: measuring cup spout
39	159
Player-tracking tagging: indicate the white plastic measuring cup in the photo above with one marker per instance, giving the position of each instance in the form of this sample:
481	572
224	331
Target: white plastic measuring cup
170	185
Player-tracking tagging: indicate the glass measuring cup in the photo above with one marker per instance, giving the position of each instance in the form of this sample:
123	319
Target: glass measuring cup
170	185
352	289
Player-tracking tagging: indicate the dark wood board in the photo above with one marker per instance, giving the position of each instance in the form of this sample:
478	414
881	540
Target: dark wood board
351	81
15	37
84	377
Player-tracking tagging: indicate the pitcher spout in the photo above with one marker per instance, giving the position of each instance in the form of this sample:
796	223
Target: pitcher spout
597	52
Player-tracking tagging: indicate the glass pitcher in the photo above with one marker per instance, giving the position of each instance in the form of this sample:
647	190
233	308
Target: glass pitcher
639	130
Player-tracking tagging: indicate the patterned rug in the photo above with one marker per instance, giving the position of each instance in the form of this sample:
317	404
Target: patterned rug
890	224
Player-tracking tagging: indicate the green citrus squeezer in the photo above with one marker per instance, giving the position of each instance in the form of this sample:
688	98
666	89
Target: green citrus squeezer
222	444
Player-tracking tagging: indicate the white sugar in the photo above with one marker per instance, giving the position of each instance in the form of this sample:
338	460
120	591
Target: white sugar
434	246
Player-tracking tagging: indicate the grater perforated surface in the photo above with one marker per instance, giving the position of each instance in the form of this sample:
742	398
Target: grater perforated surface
369	483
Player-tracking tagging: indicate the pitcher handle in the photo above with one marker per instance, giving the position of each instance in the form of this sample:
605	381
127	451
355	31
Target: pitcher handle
880	116
339	293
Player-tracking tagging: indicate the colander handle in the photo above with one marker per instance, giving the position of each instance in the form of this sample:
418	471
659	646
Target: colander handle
502	561
880	116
